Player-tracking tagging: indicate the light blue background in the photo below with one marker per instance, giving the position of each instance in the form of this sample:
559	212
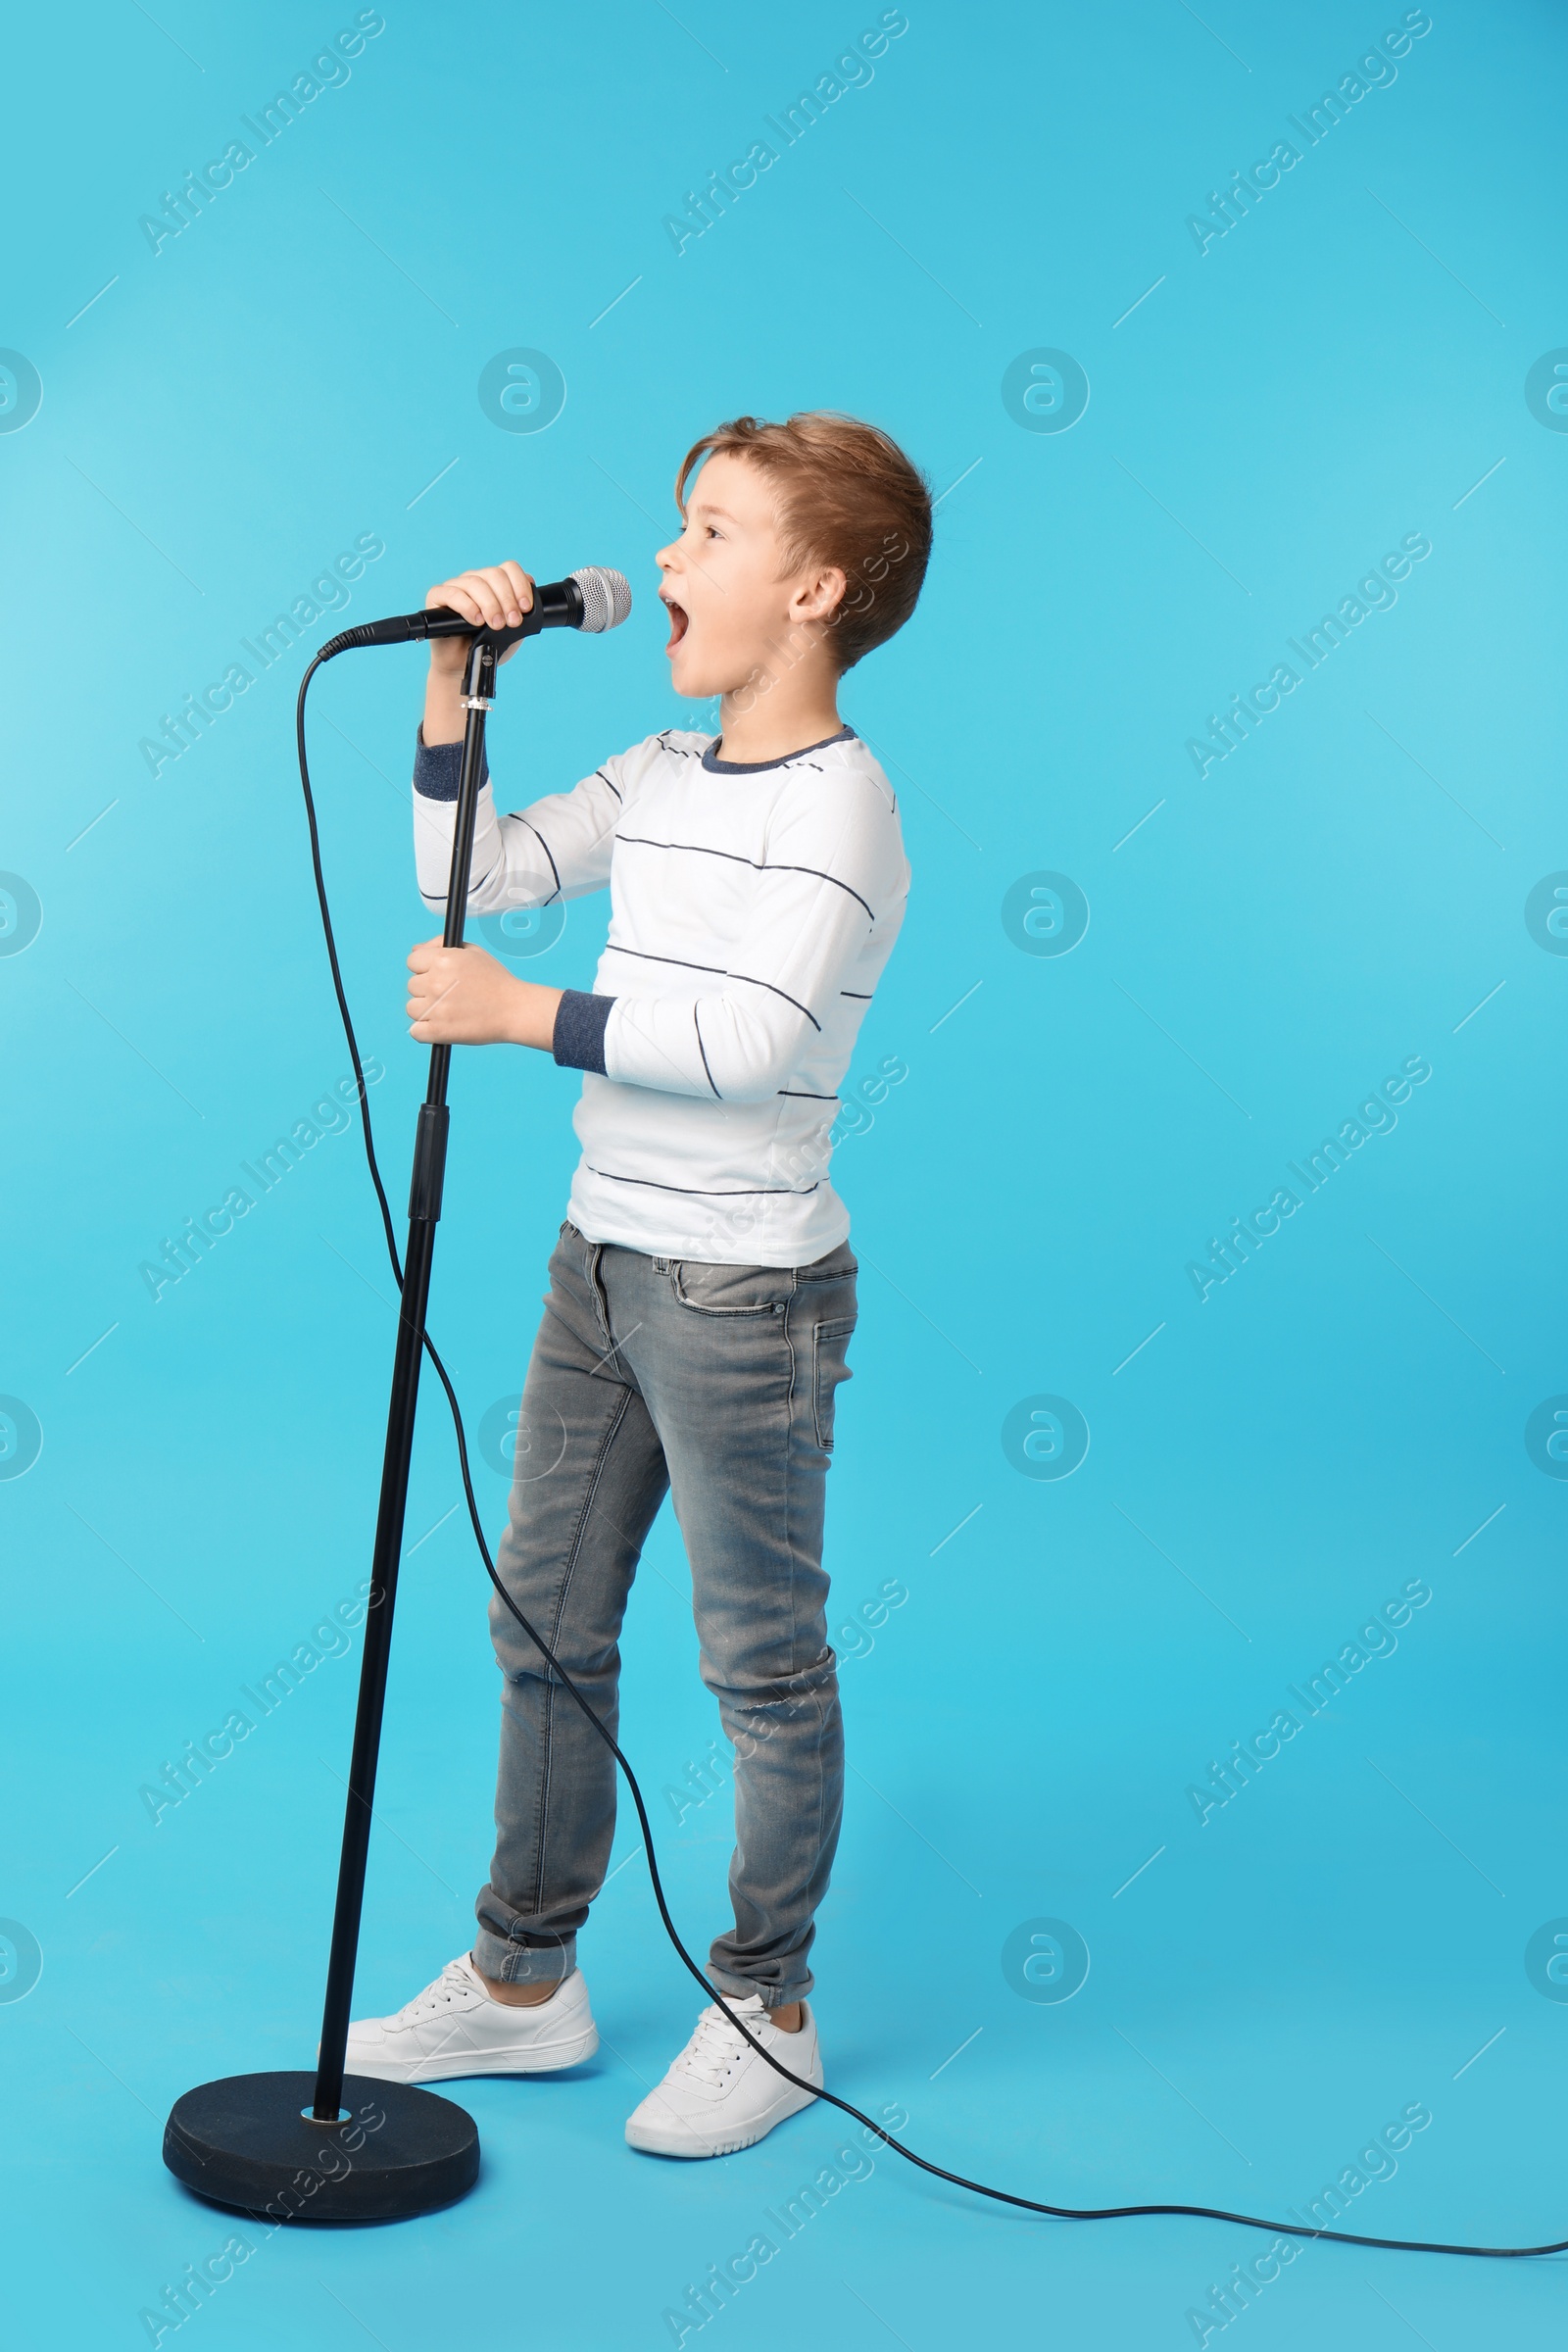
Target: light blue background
296	368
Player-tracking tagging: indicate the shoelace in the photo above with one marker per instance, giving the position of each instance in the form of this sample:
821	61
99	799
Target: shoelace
715	2048
454	1983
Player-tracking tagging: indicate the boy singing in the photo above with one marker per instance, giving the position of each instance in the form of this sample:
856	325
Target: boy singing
701	1290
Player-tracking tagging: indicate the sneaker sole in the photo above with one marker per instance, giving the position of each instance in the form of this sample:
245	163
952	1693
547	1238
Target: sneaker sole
553	2059
650	2139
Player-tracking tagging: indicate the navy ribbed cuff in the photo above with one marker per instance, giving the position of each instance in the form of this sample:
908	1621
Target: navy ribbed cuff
437	767
577	1040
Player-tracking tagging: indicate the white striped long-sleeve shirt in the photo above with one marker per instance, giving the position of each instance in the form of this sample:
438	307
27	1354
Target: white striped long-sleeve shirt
753	907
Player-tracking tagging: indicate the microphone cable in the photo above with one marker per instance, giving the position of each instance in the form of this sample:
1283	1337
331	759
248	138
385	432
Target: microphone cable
979	2188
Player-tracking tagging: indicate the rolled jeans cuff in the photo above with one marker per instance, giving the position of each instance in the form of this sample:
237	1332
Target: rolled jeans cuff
774	1997
511	1963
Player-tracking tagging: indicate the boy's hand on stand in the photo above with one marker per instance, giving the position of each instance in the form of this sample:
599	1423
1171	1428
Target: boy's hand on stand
462	997
496	597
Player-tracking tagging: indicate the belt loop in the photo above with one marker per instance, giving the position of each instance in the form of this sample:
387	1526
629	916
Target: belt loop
661	1265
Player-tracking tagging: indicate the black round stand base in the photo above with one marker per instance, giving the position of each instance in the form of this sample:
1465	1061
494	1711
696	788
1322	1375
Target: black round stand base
244	2142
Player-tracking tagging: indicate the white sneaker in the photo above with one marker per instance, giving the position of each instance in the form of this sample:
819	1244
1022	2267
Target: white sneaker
719	2095
456	2027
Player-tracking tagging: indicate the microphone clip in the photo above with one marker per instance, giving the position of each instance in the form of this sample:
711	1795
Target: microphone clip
479	679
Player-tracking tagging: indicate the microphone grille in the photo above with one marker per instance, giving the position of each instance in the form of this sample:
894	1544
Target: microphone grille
606	597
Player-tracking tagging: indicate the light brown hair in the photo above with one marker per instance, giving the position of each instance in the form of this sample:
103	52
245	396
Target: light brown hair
848	497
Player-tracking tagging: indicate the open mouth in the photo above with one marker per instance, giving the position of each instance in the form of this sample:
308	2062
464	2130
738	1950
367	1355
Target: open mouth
678	623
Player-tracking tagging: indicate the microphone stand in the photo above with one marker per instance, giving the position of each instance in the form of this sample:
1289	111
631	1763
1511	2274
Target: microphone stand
334	2147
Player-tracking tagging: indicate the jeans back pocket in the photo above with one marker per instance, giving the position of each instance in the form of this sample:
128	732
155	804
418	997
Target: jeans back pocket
830	1343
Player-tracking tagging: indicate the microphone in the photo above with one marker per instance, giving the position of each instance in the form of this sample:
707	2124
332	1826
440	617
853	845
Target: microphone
593	599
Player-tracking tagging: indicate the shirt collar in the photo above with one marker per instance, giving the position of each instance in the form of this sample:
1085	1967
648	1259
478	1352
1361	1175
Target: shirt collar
754	768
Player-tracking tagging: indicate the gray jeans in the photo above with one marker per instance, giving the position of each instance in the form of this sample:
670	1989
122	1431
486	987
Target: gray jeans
716	1384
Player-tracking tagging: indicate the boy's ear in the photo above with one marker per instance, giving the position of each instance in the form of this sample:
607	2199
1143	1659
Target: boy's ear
821	595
